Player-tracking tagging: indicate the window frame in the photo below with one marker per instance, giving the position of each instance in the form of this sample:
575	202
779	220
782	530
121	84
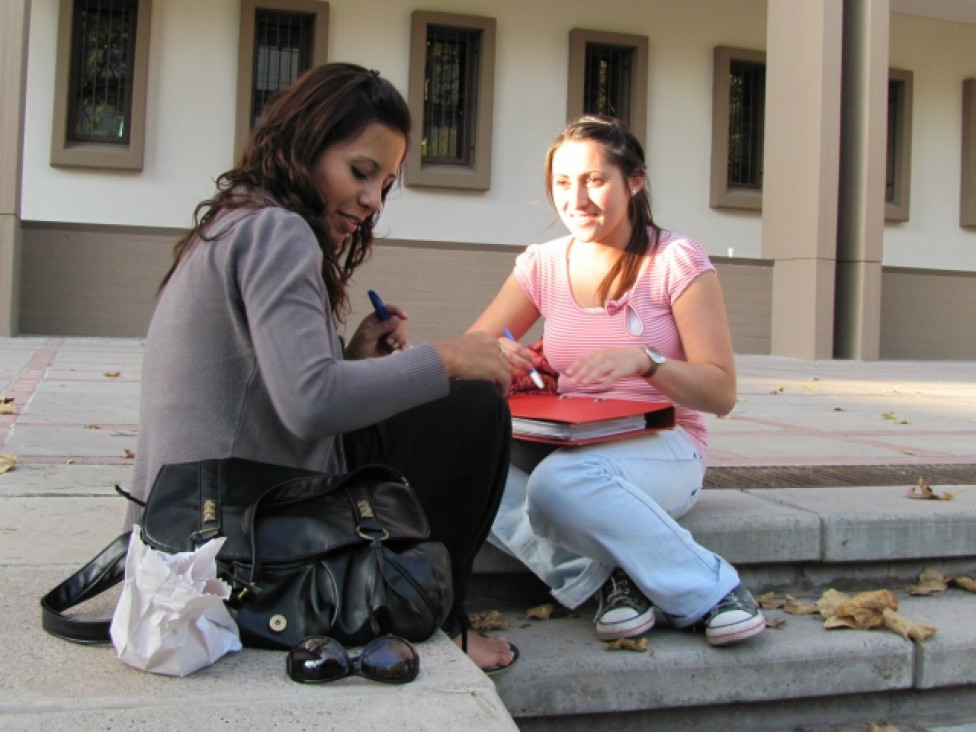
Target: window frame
967	191
477	175
576	74
898	209
245	54
93	154
721	194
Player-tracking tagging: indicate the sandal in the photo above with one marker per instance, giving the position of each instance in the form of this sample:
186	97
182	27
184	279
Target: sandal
494	670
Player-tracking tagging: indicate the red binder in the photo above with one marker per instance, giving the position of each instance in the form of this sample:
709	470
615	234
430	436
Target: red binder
575	420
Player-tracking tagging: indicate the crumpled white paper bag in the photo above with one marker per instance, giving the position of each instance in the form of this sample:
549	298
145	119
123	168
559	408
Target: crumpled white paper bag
171	618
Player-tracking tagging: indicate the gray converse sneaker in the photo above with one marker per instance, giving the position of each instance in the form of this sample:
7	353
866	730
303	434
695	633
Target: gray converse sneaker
734	619
623	611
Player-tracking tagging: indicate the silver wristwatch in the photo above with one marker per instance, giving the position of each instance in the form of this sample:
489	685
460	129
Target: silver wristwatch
656	360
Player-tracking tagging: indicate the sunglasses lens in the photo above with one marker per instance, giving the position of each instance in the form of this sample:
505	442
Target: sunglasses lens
389	659
317	659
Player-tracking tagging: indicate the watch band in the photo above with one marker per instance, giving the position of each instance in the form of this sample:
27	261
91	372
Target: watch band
656	360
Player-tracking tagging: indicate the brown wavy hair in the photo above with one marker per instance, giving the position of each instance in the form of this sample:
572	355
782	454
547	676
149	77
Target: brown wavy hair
328	104
624	151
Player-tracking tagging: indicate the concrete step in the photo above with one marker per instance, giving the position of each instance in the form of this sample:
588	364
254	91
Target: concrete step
796	540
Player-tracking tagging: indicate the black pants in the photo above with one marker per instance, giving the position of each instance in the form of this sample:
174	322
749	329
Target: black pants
454	452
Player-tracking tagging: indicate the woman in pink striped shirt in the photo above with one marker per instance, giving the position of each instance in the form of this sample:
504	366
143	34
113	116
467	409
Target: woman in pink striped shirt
631	311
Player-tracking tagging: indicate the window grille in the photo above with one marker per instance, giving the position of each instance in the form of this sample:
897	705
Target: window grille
282	52
450	84
103	51
608	80
747	103
895	104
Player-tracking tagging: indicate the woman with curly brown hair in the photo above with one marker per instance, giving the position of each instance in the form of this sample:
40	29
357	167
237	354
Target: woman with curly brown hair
244	358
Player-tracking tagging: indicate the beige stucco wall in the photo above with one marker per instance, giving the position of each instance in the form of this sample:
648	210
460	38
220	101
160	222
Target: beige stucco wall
191	115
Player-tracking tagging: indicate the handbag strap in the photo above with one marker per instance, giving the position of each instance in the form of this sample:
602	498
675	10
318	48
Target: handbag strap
106	570
304	489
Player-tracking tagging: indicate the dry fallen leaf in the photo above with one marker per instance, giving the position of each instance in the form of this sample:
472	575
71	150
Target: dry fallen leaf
112	374
777	390
775	623
931	580
93	427
837	409
488	620
870	610
628	644
829	601
796	607
769	601
127	453
70	461
8	407
540	612
907	629
861	612
882	727
967	583
7	462
894	418
922	490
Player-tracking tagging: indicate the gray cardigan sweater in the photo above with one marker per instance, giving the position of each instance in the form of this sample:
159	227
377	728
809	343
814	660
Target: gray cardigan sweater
243	360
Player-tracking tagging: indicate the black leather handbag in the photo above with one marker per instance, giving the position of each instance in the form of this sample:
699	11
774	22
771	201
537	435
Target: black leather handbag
347	556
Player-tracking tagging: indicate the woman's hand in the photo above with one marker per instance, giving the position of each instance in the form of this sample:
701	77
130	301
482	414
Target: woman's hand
375	337
520	359
476	356
605	366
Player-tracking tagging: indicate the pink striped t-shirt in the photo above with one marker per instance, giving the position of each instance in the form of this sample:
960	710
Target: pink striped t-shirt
642	317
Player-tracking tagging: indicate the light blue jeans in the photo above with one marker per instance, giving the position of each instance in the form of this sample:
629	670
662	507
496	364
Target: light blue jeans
573	514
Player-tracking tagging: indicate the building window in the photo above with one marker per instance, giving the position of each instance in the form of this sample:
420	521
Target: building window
967	204
279	40
100	83
452	61
608	75
898	161
738	128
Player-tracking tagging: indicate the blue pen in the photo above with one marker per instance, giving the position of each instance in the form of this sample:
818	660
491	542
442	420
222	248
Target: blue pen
533	374
381	312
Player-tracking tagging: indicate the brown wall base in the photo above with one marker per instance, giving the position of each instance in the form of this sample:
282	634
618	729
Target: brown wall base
101	281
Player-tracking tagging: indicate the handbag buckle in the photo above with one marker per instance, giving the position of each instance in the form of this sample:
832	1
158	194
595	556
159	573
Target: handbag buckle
363	534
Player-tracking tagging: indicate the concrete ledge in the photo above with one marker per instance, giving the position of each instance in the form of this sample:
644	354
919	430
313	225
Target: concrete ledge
819	525
565	670
48	683
880	523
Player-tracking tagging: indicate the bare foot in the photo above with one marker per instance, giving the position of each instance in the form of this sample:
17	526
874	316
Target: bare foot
487	652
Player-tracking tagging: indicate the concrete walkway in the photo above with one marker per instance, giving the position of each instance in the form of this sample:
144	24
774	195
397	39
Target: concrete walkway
73	426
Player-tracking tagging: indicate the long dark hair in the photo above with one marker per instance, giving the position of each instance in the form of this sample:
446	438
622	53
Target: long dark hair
326	105
624	151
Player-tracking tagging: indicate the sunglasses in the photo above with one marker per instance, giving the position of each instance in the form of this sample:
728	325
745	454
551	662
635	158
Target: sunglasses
389	659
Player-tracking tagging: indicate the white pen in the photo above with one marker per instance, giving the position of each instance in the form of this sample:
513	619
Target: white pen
533	374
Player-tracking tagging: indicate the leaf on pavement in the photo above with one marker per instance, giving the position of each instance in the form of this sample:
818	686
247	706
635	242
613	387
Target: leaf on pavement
906	628
488	620
7	462
775	623
882	727
931	580
112	374
7	406
861	612
628	644
769	601
924	491
798	607
540	612
967	583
